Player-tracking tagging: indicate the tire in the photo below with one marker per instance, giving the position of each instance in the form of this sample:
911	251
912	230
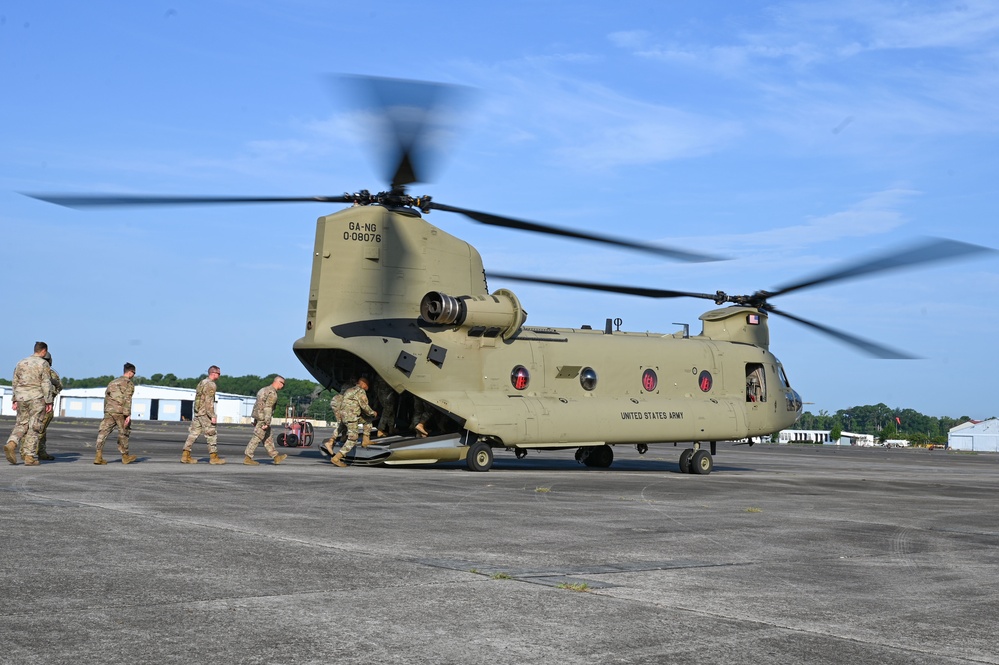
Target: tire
282	439
480	457
685	461
600	457
701	463
292	441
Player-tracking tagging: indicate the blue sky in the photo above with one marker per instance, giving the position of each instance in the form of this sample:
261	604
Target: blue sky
787	136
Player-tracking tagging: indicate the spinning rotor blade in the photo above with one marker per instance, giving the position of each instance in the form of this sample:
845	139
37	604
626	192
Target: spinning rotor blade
80	201
928	251
868	347
611	288
414	119
511	223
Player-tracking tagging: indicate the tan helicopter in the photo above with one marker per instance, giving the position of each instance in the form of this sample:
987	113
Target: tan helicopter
394	296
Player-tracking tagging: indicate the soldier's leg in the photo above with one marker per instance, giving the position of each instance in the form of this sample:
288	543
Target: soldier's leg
258	436
43	439
272	451
212	436
16	436
103	432
192	435
35	418
124	432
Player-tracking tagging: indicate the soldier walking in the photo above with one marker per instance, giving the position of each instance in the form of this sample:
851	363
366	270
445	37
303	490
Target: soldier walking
263	411
387	400
32	400
49	415
355	410
117	415
204	418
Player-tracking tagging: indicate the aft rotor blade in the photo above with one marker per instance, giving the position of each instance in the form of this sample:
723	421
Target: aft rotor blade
120	200
929	251
511	223
611	288
870	348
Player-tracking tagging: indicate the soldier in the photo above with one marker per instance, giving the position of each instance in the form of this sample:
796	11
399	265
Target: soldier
32	400
387	399
421	415
340	434
203	421
353	407
47	418
117	415
263	411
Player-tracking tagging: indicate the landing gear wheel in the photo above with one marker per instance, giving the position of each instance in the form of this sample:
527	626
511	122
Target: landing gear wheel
480	457
701	463
520	453
600	457
685	460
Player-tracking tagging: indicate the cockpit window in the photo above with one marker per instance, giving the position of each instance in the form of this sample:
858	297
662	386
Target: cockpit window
783	377
756	383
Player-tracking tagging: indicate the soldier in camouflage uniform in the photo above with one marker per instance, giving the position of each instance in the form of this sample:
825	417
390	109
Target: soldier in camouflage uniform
204	418
354	407
340	435
387	399
49	415
117	415
421	415
32	400
263	411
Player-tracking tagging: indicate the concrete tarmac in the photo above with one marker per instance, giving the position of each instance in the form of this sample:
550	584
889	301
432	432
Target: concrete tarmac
783	554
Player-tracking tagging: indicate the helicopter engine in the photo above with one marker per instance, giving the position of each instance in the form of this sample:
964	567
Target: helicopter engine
485	316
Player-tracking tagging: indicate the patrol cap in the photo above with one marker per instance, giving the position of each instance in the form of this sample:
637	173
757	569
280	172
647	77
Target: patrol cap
47	357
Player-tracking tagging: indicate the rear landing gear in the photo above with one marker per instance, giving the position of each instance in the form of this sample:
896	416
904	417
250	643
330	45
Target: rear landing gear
480	457
697	460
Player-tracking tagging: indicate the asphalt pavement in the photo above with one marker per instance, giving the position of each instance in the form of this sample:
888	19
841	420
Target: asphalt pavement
784	554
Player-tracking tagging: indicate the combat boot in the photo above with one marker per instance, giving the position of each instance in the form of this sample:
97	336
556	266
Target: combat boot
186	458
327	445
248	461
421	431
128	459
213	458
366	441
10	450
337	459
99	459
280	458
30	461
45	456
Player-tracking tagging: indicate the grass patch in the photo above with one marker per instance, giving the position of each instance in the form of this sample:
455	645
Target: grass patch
754	509
501	576
542	490
574	586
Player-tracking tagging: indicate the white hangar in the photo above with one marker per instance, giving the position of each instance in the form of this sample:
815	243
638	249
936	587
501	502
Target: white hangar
981	436
152	403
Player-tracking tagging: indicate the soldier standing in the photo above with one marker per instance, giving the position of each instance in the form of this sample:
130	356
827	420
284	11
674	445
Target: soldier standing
203	421
49	415
353	407
339	435
263	411
387	399
32	399
117	415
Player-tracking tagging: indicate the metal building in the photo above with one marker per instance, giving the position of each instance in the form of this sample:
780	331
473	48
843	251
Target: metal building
981	436
153	403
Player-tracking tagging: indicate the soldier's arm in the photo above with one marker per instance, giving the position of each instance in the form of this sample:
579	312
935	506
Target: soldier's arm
47	389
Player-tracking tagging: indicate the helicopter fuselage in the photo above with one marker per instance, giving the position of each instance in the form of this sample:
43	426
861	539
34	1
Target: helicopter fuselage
395	296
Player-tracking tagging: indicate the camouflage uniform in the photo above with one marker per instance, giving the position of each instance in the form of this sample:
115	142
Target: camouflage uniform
421	415
32	392
353	407
263	411
386	405
204	414
49	415
117	407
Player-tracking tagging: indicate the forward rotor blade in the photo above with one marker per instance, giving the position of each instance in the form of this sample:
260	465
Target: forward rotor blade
929	251
511	223
870	348
611	288
80	201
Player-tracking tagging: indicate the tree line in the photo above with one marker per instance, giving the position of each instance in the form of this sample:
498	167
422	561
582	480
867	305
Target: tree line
882	422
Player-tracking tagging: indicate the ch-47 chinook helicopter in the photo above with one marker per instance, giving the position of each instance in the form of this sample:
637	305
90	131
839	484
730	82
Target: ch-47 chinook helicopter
393	296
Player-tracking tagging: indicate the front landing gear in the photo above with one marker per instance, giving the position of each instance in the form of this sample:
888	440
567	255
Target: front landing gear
697	460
